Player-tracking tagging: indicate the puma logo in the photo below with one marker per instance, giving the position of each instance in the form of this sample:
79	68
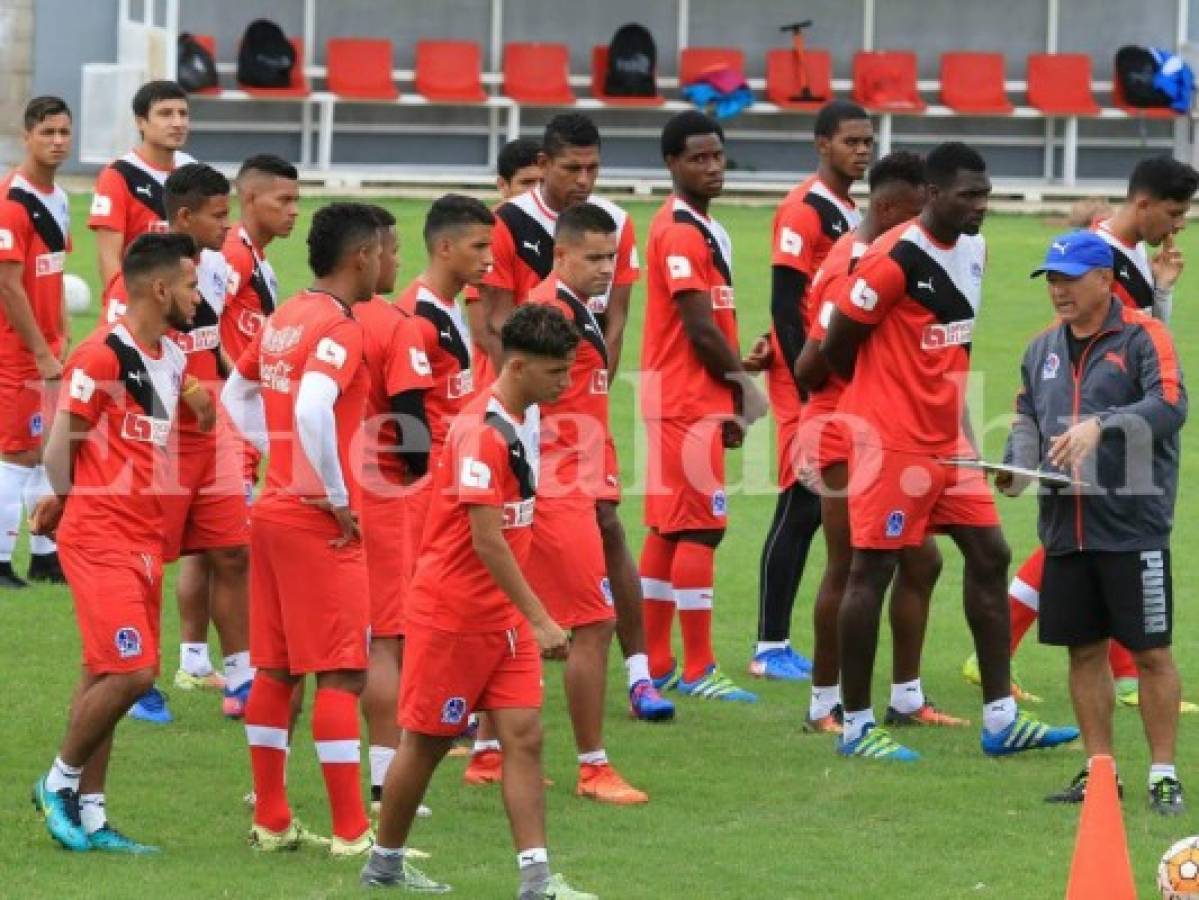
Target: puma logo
136	376
1059	247
531	245
144	190
926	285
1124	272
838	227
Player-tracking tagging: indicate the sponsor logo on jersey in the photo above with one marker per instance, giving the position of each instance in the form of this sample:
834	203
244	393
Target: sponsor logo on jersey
723	297
599	381
519	514
1050	367
6	239
128	641
207	337
146	429
938	337
453	711
474	474
249	322
49	263
158	226
279	340
276	376
895	523
598	305
460	384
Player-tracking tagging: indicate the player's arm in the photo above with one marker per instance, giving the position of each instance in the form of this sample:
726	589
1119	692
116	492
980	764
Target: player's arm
67	435
1167	267
413	430
486	318
840	345
108	253
316	425
17	310
716	354
862	302
787	286
616	317
811	368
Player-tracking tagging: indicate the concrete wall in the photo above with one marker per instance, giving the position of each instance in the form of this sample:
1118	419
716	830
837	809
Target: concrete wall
16	71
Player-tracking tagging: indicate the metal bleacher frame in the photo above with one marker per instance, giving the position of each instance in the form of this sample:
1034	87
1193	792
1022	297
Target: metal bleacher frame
318	124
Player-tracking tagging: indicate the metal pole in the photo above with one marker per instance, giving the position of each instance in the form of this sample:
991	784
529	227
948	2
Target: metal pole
309	32
1052	13
867	24
1184	23
172	47
1070	153
684	22
496	59
1049	136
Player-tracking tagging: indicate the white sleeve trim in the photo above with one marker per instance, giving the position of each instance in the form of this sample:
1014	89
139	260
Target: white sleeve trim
242	399
317	428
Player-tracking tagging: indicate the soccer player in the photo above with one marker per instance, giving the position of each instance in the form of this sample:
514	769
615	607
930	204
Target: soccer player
302	381
393	457
910	307
897	194
476	630
128	195
35	237
811	217
567	569
1160	191
696	401
1112	418
517	168
104	461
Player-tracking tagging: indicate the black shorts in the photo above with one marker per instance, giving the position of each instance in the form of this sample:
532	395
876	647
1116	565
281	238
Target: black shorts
1092	595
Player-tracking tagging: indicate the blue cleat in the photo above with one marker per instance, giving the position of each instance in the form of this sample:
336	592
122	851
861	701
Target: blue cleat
646	704
715	685
61	812
667	682
152	707
800	662
1025	733
107	839
780	664
233	704
876	743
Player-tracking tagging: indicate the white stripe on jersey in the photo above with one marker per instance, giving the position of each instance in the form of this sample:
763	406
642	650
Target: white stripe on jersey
213	278
450	309
1138	254
166	372
851	213
723	241
56	201
528	433
963	262
181	159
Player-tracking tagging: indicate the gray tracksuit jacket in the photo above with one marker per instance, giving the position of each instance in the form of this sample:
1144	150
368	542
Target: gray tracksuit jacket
1130	379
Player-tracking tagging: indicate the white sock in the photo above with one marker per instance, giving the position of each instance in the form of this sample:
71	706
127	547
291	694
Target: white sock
637	666
907	697
999	715
824	701
763	646
194	659
1158	771
388	852
37	487
237	670
91	812
12	493
594	758
62	776
380	759
856	723
480	746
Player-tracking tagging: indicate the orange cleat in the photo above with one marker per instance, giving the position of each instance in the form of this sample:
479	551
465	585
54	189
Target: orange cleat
603	784
927	715
830	724
486	767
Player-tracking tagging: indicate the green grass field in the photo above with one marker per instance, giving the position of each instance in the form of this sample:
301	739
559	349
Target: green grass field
743	804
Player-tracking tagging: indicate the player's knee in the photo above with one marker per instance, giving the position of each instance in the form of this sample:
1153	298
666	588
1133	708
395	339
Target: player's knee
349	680
924	563
230	562
990	562
524	736
1158	661
137	682
1089	655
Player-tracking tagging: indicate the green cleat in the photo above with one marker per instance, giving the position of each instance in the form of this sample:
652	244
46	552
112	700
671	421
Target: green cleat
291	838
556	889
974	675
108	840
715	685
970	670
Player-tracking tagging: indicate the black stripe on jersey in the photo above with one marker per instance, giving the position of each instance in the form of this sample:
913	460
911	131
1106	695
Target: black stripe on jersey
533	245
136	378
929	284
517	460
585	324
832	221
1131	278
718	260
261	287
142	187
448	336
42	219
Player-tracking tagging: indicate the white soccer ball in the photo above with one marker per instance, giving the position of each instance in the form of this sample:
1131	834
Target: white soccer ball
79	295
1178	871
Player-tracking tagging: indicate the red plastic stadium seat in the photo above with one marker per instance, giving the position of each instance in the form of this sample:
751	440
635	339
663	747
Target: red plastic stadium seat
299	81
782	78
360	68
208	42
1059	84
538	74
599	70
694	60
449	71
885	81
972	83
1147	112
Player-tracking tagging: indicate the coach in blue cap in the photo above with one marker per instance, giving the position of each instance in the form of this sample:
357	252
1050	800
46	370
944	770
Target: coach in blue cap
1103	400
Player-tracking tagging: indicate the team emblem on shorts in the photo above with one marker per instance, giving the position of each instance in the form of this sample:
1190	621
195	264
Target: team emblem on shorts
720	504
606	590
35	425
454	711
895	522
1052	364
129	642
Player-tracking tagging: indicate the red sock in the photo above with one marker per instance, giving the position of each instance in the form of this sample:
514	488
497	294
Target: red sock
1024	596
335	730
1121	661
693	574
268	709
1023	618
657	608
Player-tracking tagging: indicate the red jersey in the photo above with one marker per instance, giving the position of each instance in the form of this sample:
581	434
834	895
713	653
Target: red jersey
827	283
35	231
394	353
910	378
574	430
687	252
446	340
807	223
128	197
312	332
490	459
1134	282
128	394
252	293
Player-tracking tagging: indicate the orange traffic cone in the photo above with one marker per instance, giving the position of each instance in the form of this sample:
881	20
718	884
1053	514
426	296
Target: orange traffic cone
1101	868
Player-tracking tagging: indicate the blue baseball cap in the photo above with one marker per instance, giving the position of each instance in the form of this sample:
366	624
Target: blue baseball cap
1075	253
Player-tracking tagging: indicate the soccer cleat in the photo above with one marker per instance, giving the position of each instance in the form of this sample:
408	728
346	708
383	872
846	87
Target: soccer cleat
291	838
876	743
340	848
107	839
715	685
556	889
1165	797
667	682
61	812
45	568
927	715
485	767
779	664
1025	733
10	579
646	704
604	784
800	662
830	724
383	873
1076	790
151	707
1128	694
186	681
233	704
972	673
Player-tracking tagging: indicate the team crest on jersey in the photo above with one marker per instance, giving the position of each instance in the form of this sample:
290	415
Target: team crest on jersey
129	642
1050	369
35	425
606	590
720	504
453	711
895	523
976	271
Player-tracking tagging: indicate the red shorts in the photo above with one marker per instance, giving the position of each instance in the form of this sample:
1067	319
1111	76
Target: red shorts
824	440
897	498
26	409
449	674
309	602
206	508
610	491
566	566
390	560
118	605
686	476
